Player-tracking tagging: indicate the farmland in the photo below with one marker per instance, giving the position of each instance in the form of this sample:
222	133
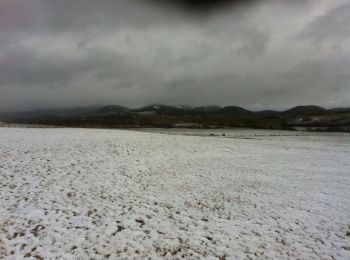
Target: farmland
94	193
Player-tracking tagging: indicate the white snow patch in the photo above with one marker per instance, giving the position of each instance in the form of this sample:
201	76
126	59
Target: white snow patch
80	193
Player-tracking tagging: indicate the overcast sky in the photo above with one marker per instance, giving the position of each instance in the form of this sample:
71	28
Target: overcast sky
255	54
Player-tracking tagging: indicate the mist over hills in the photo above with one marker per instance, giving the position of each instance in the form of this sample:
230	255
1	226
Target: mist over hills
310	117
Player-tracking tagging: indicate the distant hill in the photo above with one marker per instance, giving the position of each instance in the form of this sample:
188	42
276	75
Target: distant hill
158	115
200	110
340	109
306	110
160	109
234	110
112	109
210	108
268	113
38	113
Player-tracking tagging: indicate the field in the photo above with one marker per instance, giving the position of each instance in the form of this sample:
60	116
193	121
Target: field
98	194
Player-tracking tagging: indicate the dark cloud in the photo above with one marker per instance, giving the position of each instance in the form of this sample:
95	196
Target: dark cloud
134	52
199	6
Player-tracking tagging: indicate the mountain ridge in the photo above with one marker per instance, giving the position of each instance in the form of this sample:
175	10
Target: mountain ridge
158	115
168	109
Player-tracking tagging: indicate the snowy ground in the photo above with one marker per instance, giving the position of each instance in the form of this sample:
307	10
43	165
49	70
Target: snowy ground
80	193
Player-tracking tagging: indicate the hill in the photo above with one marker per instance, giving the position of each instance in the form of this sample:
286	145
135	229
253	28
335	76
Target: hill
234	110
306	110
311	117
112	109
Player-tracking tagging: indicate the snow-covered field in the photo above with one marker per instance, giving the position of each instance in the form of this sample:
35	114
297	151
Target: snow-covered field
96	194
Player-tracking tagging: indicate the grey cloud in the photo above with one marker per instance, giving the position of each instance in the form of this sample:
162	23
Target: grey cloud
334	25
254	45
30	67
68	53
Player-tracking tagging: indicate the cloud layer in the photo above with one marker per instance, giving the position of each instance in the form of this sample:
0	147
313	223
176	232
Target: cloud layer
266	54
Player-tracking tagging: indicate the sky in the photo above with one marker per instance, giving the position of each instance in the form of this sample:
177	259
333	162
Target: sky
271	54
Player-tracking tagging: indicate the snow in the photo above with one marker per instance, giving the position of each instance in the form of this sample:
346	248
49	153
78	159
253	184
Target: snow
84	193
